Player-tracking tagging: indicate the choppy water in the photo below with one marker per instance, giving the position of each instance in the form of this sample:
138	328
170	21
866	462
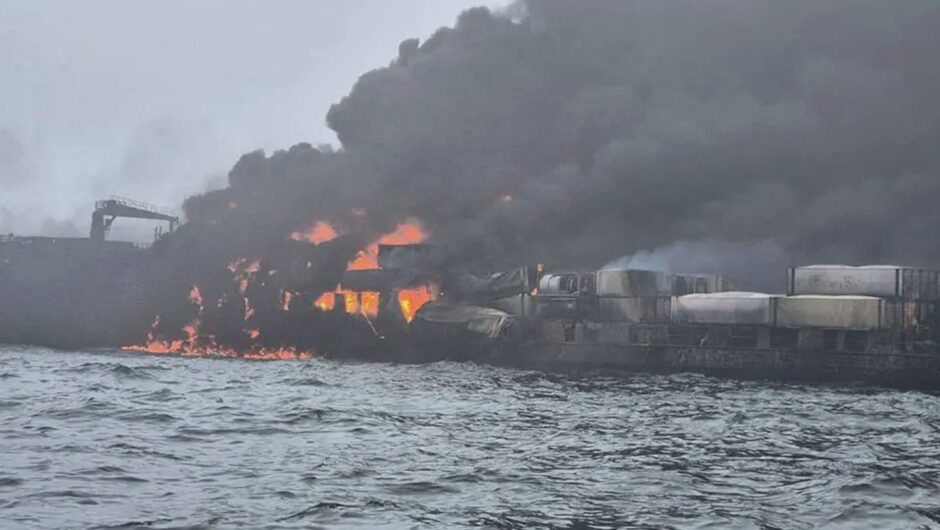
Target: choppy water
114	440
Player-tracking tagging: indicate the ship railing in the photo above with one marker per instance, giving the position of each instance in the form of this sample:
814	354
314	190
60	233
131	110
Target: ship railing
131	203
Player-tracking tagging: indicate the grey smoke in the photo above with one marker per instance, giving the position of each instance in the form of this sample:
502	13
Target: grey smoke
752	266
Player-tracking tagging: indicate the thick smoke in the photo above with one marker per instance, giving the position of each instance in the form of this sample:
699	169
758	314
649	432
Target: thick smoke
577	132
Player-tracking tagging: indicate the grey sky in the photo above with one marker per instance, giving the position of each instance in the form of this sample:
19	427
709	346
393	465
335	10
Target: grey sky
156	99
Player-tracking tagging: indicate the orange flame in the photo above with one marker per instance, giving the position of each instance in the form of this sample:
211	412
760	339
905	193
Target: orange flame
214	351
243	270
197	344
369	303
326	302
411	300
320	232
407	233
351	299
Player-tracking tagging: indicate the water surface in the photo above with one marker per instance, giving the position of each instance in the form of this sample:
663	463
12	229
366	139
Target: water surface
120	440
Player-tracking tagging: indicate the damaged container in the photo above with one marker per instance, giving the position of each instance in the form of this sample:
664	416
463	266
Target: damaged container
740	308
831	312
887	281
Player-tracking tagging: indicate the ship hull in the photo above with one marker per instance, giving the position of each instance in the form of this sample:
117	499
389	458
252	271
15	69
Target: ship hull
899	370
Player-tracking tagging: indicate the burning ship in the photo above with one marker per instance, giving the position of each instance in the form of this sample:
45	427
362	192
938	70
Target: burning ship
399	298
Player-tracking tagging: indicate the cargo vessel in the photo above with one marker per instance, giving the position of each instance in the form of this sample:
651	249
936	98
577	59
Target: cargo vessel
875	324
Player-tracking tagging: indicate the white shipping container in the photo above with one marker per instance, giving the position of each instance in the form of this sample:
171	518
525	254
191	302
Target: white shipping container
887	281
725	308
831	312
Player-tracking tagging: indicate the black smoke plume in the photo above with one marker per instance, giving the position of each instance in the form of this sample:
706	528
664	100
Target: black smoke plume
582	131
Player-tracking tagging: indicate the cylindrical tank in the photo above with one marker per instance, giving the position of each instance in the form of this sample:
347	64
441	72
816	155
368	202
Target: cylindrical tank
560	284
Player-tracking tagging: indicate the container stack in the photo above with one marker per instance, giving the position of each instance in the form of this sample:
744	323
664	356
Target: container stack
846	312
909	295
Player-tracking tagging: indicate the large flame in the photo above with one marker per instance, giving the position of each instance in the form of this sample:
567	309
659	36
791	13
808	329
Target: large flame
368	302
408	233
351	300
197	345
319	233
326	302
244	272
411	300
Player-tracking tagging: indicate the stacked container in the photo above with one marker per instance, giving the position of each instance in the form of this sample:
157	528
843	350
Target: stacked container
847	312
733	308
910	295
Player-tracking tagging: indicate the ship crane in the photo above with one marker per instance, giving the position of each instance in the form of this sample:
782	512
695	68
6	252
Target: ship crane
107	210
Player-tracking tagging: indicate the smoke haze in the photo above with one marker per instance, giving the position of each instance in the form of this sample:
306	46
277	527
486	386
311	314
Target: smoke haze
156	99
